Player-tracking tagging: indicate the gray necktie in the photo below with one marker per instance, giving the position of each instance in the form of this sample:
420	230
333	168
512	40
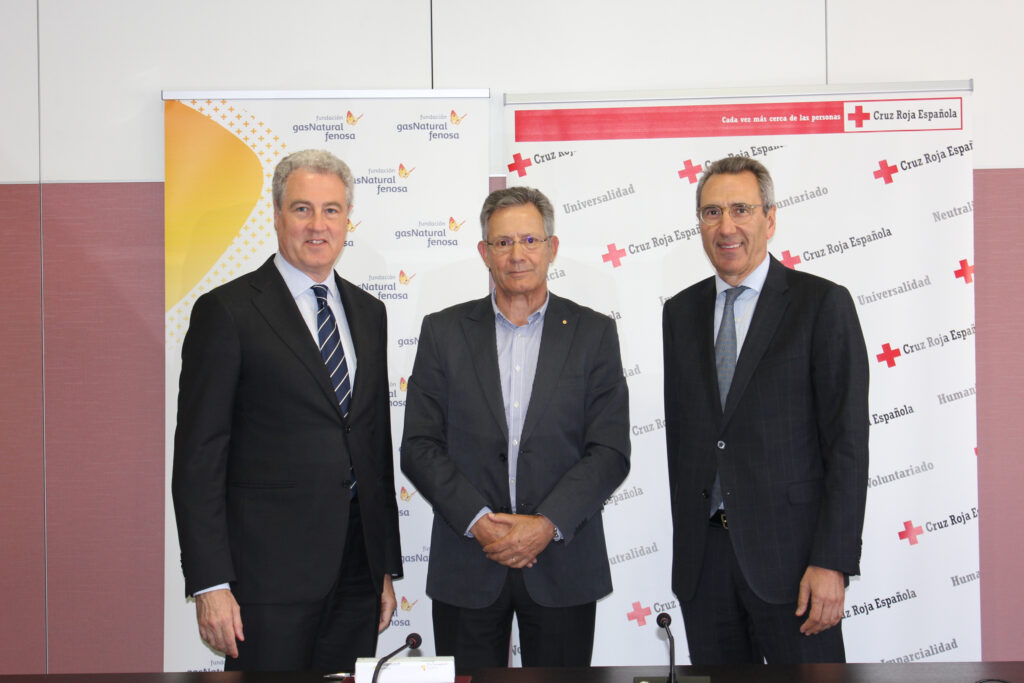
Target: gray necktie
725	363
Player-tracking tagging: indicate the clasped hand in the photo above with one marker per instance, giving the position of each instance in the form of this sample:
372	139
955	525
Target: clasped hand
514	541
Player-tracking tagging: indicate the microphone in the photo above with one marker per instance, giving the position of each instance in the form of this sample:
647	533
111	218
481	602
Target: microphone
663	621
412	641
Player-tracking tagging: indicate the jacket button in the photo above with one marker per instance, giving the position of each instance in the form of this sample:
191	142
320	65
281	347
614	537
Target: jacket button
704	493
348	429
502	456
721	445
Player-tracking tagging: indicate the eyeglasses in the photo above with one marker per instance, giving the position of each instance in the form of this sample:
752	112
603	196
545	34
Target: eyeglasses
503	245
740	213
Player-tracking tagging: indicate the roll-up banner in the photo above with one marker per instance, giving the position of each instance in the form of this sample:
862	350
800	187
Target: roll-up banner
874	191
420	164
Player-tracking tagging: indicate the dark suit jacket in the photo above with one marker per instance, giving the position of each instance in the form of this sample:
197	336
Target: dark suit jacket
262	454
574	449
792	443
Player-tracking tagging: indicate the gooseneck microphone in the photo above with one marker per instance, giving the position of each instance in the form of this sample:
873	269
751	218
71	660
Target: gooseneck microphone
663	621
412	641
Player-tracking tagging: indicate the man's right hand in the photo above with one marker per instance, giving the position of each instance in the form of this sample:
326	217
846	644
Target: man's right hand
220	621
487	530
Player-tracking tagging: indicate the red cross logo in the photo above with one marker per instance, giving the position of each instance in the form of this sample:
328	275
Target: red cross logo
615	255
859	116
885	171
910	533
640	613
690	171
519	164
966	272
888	355
789	260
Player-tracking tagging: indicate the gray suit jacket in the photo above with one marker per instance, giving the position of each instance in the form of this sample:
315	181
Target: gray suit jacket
792	443
574	449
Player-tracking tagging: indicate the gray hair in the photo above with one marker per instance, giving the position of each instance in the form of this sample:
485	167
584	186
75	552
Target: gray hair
317	161
518	196
734	165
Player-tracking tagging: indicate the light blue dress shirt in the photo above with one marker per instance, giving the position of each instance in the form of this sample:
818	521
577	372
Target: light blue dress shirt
518	352
746	302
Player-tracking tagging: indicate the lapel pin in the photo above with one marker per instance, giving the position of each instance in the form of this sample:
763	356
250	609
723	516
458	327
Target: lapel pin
564	322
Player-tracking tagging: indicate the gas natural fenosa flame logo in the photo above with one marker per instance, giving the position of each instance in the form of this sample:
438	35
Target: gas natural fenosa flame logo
351	119
403	278
454	225
456	119
406	605
406	495
352	226
405	172
403	385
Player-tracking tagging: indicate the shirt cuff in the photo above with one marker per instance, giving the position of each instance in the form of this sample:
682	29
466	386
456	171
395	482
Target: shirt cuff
218	587
483	511
558	533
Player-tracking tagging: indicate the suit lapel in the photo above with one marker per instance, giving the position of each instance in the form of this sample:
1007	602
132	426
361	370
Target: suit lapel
556	339
705	320
277	306
771	305
362	339
482	342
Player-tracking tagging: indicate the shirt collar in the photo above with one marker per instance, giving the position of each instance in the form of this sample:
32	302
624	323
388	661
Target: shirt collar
298	282
532	318
754	281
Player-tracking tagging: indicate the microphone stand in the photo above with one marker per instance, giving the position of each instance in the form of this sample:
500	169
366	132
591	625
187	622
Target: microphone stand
412	641
663	621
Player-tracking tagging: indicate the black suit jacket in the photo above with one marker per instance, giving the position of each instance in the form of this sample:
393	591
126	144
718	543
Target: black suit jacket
574	449
262	453
791	444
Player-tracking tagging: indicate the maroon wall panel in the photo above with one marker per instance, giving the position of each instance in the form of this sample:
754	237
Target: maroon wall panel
22	569
104	360
999	256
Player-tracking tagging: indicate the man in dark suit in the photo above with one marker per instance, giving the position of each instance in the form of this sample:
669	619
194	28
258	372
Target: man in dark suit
283	477
766	392
517	431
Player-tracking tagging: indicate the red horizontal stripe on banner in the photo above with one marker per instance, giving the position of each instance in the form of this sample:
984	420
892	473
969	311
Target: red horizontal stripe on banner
640	123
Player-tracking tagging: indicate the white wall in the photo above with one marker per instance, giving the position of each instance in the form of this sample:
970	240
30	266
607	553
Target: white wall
19	135
925	40
103	63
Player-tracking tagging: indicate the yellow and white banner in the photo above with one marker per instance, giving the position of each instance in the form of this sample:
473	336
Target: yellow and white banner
420	164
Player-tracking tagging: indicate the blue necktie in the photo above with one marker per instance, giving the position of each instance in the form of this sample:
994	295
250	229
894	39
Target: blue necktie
331	349
334	358
725	363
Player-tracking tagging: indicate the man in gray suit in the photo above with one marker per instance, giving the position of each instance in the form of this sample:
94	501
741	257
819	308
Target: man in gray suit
766	410
517	431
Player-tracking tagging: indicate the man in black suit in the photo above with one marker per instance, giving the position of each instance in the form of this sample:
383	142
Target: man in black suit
766	393
517	431
283	478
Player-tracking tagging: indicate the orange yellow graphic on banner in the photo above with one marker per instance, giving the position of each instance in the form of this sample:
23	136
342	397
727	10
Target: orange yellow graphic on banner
212	182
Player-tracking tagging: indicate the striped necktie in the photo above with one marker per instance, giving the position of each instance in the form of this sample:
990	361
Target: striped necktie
331	349
334	358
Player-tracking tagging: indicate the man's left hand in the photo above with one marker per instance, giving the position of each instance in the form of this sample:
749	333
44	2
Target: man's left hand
387	604
822	594
528	537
